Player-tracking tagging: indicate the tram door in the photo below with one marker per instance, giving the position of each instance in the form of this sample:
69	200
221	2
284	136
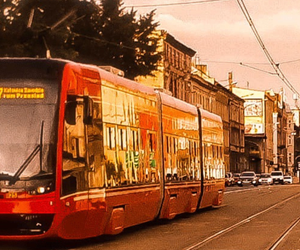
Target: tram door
83	167
74	192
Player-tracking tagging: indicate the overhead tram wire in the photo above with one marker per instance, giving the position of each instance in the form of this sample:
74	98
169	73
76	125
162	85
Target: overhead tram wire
245	65
173	4
251	67
272	62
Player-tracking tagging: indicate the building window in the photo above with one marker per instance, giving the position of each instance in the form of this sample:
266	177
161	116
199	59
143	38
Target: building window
290	140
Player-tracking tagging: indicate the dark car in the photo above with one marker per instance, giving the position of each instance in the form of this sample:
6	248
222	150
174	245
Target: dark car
248	177
236	177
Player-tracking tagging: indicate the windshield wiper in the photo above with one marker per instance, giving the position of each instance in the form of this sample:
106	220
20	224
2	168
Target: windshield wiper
29	159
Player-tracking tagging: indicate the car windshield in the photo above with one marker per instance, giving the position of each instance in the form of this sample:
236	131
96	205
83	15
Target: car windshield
276	173
248	174
265	176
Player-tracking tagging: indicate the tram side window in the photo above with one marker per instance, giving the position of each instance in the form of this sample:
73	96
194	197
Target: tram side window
168	158
122	139
135	140
112	163
130	155
206	162
183	157
214	164
171	159
221	152
111	141
133	158
175	143
168	147
152	174
152	142
94	130
197	161
192	165
122	157
74	147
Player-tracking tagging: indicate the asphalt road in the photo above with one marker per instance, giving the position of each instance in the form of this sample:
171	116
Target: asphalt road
253	218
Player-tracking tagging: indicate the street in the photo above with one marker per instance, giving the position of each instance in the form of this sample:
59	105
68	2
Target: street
263	217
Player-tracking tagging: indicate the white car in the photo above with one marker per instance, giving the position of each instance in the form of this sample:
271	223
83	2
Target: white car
288	179
277	176
265	178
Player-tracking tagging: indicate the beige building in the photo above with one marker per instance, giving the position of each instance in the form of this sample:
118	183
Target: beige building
203	89
269	131
255	128
174	71
231	108
290	141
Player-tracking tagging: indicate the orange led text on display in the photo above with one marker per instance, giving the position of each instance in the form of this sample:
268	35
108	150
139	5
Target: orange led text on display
22	93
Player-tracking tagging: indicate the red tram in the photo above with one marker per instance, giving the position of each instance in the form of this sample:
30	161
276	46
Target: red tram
84	152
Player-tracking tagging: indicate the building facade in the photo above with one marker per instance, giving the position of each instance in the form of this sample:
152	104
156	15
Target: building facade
255	134
174	71
231	108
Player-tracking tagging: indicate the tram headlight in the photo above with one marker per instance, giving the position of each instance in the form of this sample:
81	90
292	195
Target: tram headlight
41	190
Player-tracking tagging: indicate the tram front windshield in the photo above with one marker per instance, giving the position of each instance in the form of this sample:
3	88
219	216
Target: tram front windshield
29	123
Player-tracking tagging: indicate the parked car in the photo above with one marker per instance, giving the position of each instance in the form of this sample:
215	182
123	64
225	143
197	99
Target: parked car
229	181
236	177
288	179
248	177
277	176
265	178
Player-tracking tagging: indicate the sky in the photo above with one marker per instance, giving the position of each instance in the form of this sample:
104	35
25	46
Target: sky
223	39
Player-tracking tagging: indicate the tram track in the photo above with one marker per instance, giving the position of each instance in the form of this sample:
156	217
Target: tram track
226	230
284	234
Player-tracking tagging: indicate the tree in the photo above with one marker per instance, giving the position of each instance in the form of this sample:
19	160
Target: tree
80	30
147	44
32	27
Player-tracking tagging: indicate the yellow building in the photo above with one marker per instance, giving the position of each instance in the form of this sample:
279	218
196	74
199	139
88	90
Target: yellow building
174	70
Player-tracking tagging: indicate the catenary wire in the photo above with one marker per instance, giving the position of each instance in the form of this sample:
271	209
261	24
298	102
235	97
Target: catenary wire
172	4
272	62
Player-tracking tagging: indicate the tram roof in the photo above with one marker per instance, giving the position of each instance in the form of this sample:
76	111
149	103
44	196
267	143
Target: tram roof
210	115
178	104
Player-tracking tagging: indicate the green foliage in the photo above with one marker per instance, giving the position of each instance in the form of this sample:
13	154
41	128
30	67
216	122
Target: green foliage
80	30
